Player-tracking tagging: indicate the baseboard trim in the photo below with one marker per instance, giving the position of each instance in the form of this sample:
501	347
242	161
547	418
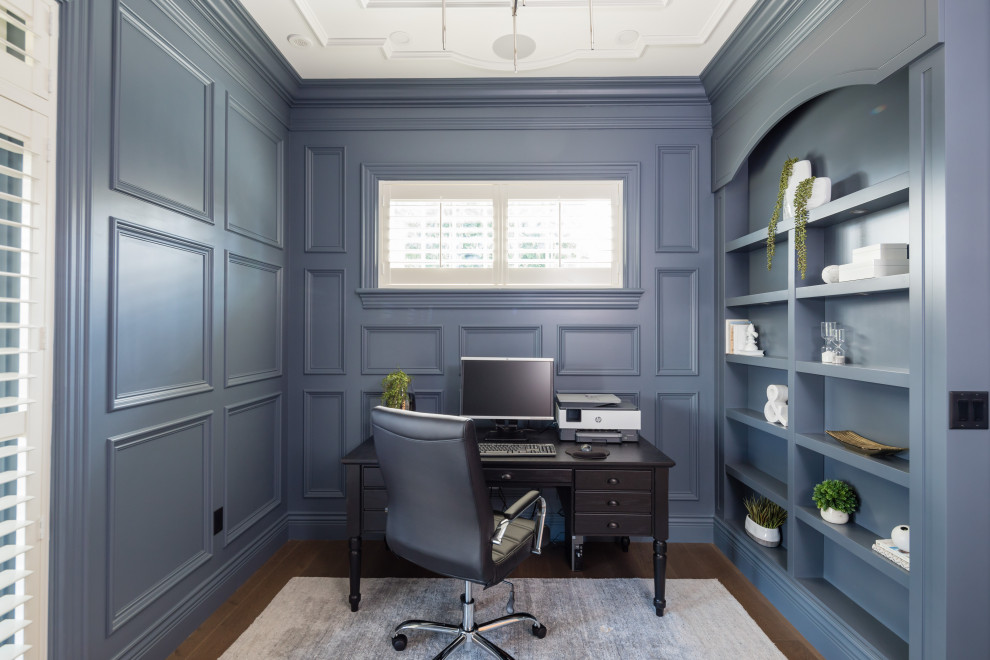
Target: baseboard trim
309	526
688	529
830	635
161	638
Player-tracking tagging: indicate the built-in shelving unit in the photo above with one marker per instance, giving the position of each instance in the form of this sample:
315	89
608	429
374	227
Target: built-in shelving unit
833	565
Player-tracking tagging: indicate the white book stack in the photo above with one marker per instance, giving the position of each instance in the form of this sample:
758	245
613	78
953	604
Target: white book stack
886	549
735	335
875	261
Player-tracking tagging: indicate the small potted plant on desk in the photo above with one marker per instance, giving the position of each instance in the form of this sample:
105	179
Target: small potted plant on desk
763	520
395	391
836	500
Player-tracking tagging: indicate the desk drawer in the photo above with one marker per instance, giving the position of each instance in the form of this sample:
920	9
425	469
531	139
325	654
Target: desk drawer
604	524
616	501
375	499
373	521
528	475
613	479
373	477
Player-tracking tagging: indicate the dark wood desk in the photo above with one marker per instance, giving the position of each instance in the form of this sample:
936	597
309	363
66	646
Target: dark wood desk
621	496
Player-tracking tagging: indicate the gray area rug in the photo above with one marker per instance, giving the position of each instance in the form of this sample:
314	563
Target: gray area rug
600	619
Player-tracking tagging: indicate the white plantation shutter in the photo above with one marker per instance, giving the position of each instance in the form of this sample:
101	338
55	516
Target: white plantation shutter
537	234
28	45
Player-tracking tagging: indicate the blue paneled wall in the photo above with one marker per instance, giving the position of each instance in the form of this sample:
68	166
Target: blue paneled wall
654	346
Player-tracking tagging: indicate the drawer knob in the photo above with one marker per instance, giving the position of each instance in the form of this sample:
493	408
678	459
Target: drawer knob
613	503
613	525
612	481
507	476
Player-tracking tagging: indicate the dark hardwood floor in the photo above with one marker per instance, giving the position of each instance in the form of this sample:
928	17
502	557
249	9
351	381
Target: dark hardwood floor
603	560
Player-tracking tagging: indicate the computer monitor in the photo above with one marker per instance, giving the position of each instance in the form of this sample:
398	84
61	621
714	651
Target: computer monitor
507	391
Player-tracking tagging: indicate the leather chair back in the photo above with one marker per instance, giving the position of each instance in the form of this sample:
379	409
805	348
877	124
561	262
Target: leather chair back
439	511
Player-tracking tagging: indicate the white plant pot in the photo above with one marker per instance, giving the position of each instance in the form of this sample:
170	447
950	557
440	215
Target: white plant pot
834	517
762	535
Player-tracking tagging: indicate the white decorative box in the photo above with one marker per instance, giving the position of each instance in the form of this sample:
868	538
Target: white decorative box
886	252
861	270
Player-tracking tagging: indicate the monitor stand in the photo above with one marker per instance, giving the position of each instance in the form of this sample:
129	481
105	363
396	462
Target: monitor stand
507	430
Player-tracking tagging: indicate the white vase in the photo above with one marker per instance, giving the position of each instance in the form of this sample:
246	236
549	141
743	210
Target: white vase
763	535
834	517
901	536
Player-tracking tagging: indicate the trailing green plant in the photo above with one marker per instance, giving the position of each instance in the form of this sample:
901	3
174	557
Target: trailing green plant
765	512
395	390
785	175
835	494
801	197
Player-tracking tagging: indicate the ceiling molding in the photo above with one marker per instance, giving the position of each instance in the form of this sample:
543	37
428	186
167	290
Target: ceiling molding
486	92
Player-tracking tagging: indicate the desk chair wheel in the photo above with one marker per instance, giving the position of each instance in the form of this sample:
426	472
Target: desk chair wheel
399	642
539	631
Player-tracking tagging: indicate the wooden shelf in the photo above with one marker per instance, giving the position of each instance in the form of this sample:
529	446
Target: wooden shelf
877	197
760	481
767	362
882	638
890	468
757	299
757	421
776	555
753	240
857	540
885	284
892	377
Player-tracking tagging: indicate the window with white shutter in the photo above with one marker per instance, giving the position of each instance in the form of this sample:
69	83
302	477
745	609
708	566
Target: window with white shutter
28	46
500	234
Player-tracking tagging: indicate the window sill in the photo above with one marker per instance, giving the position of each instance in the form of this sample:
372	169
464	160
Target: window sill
501	298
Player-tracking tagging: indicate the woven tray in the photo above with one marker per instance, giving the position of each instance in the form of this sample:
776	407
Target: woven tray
855	441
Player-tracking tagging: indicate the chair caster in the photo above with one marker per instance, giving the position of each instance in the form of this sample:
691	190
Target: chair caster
539	630
399	642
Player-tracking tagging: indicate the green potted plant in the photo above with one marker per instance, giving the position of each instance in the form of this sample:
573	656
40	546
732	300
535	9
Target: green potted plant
763	520
395	390
836	500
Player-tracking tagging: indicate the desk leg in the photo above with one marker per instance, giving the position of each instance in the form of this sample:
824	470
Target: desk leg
355	596
660	575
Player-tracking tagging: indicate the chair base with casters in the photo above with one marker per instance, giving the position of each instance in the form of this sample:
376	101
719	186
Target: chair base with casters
467	633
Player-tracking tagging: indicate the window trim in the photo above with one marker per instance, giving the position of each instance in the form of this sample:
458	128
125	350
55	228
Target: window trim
621	298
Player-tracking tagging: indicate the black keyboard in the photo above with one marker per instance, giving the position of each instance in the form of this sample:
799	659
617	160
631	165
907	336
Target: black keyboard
517	449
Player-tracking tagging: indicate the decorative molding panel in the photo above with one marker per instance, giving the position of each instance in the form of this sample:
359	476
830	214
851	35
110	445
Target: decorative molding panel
598	350
501	341
324	443
240	32
252	462
414	349
254	165
252	320
324	322
678	189
431	401
157	533
677	436
158	91
161	316
325	196
677	322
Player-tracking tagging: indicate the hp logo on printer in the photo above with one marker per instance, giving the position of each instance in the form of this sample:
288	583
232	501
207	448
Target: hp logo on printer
598	419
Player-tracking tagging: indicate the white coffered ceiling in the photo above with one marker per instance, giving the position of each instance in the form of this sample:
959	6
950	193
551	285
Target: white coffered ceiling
338	39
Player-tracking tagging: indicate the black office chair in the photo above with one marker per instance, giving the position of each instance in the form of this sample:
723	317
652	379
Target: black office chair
440	517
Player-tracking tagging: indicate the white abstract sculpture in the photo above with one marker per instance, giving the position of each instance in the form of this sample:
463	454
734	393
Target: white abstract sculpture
751	348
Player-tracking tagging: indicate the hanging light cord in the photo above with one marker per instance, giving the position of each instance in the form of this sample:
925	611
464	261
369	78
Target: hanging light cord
443	24
515	50
591	24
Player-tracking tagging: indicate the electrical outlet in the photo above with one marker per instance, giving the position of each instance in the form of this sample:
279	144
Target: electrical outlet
968	410
218	521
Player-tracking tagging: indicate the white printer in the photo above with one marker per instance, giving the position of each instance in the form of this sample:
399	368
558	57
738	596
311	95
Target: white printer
596	418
